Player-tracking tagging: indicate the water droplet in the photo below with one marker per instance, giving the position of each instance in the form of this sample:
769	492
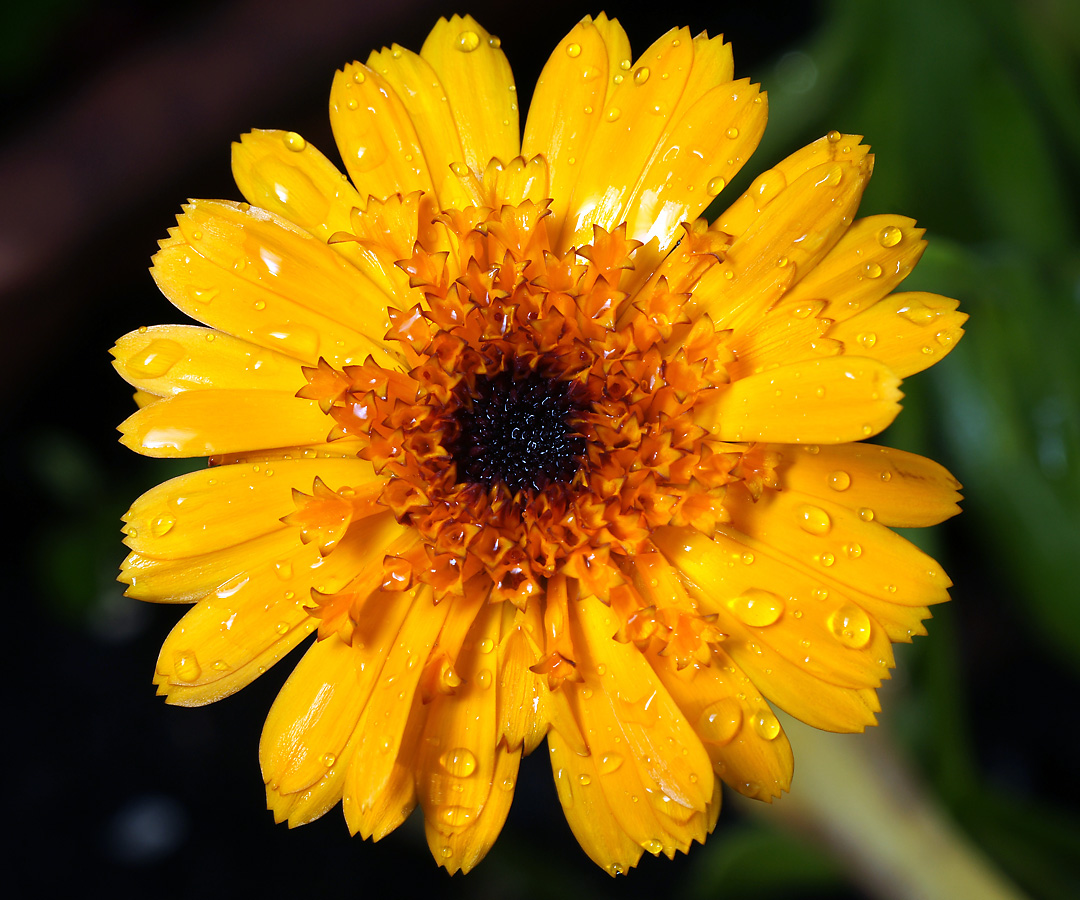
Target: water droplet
494	42
873	270
654	847
483	678
748	558
156	358
259	304
613	114
588	110
573	50
715	186
589	73
467	41
624	64
618	79
813	449
359	77
282	628
720	722
615	869
766	186
854	551
295	142
609	762
890	236
459	762
867	339
945	338
351	103
186	666
833	177
584	780
766	724
813	519
756	608
459	169
641	74
162	525
833	137
866	514
851	625
328	759
839	480
487	645
732	133
826	559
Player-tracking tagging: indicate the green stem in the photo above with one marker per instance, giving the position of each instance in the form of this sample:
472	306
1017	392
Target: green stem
853	794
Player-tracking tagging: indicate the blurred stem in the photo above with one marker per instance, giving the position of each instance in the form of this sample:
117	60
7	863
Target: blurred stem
853	794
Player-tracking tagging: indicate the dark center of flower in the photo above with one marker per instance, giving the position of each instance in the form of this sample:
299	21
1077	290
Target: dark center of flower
517	430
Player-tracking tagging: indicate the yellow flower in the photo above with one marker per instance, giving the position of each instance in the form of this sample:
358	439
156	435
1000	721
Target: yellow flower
534	449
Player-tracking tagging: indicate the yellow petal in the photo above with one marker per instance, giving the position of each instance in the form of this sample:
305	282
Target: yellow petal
797	221
624	140
224	506
249	622
456	765
281	172
375	135
169	359
868	262
908	332
412	77
523	698
885	485
255	276
587	811
201	423
558	125
804	685
479	88
833	541
746	744
702	150
827	401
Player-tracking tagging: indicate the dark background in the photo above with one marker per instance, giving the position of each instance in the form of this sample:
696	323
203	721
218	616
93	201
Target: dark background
118	111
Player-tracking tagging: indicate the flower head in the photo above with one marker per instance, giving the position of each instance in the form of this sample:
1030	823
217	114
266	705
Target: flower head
532	448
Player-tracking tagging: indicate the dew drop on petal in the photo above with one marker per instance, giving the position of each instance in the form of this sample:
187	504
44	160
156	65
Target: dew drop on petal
162	525
833	137
720	722
641	74
459	762
467	41
813	519
186	666
890	236
654	847
851	626
715	186
867	339
613	114
766	724
573	50
329	759
156	358
295	142
839	480
584	780
866	514
756	608
609	763
732	133
873	270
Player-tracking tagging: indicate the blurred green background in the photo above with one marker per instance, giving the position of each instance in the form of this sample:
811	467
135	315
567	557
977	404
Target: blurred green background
120	110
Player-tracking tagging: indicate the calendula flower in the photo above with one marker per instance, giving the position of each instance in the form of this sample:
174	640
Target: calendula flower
532	448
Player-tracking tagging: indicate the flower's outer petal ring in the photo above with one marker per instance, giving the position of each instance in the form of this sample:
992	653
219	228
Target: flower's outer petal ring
170	359
885	485
558	125
223	506
202	423
375	135
908	332
826	401
281	172
246	624
479	88
251	274
587	812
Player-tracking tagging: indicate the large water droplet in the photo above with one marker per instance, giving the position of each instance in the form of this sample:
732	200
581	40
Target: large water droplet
162	525
609	763
715	186
813	519
851	625
654	847
467	41
456	816
766	724
890	236
186	666
156	358
766	186
459	762
294	141
720	722
641	74
757	608
839	480
573	50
